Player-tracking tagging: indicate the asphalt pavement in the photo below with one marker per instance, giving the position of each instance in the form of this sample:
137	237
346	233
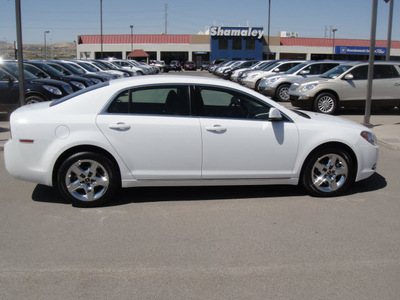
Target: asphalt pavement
385	124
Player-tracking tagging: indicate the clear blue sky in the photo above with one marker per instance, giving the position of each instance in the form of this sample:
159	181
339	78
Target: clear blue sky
67	19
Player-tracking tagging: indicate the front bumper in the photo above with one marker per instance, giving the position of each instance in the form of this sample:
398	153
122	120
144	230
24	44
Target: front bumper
267	90
304	101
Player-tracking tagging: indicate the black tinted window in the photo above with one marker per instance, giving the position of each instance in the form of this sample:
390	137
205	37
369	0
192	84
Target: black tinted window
360	73
385	71
153	101
228	104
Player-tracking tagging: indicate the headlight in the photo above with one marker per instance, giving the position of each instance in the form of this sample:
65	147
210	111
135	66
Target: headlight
369	136
95	80
308	87
271	80
52	89
78	84
253	76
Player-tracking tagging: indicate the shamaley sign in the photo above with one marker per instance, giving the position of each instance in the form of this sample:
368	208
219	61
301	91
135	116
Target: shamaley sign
256	32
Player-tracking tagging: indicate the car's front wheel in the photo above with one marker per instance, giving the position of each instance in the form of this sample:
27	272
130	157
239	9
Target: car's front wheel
87	179
328	172
33	99
282	93
325	103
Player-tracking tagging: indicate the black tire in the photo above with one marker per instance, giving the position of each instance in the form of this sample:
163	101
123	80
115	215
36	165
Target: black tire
33	99
328	173
282	93
257	84
90	187
325	103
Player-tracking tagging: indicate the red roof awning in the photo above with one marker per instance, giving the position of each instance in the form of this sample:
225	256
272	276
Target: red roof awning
138	53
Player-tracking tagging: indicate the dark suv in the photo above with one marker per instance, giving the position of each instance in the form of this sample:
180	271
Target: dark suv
36	89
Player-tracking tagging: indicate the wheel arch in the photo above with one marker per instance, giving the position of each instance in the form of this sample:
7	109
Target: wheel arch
37	94
338	145
83	148
334	93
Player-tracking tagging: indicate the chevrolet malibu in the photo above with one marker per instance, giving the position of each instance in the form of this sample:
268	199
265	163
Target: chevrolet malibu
182	131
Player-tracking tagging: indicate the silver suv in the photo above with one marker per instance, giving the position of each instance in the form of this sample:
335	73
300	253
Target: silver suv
346	85
277	86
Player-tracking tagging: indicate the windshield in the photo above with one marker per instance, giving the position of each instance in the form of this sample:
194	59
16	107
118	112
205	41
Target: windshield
49	70
272	66
100	66
296	68
72	68
13	69
87	67
335	72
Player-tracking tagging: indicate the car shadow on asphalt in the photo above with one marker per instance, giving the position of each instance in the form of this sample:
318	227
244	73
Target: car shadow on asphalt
166	194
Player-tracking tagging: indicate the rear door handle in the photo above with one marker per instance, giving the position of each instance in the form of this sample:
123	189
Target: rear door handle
119	126
216	128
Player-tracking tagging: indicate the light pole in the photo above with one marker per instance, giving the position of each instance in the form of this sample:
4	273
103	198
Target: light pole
269	17
45	47
131	37
101	28
333	43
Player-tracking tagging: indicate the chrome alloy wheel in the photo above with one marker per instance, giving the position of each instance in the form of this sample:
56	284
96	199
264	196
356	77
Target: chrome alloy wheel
283	93
87	180
329	172
326	104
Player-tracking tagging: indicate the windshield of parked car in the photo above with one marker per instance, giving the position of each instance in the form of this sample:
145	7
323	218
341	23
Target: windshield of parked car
335	72
271	67
72	68
13	69
80	92
87	67
296	68
49	70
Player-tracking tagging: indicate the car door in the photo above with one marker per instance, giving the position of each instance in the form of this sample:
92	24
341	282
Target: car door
355	89
386	84
153	132
9	89
238	140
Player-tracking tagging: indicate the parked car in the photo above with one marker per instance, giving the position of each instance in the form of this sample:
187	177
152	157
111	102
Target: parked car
43	70
181	130
241	74
205	65
164	68
110	66
253	79
226	74
277	86
36	89
71	69
101	68
346	86
175	65
189	65
89	69
129	64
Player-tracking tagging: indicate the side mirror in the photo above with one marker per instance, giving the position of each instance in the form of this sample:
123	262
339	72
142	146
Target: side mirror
276	70
304	72
274	115
349	77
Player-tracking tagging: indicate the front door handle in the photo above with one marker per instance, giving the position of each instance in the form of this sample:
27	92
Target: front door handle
119	126
216	128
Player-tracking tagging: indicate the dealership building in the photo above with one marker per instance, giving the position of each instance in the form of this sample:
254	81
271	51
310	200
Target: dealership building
232	43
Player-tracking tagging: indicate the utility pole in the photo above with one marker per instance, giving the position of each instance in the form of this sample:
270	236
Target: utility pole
389	35
166	18
269	22
20	54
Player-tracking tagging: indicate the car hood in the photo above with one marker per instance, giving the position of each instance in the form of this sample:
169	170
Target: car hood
53	82
317	79
331	121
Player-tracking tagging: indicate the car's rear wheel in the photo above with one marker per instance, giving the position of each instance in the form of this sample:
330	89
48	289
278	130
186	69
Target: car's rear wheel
325	103
87	179
282	93
328	172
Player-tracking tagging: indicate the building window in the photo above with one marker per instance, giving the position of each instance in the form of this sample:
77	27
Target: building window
237	44
250	44
223	44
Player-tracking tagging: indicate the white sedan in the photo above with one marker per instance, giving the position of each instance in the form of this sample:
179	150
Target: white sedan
182	131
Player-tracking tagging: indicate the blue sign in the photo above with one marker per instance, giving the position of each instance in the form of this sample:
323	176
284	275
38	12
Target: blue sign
359	50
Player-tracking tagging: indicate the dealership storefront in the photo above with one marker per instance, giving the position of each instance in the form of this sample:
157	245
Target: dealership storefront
231	43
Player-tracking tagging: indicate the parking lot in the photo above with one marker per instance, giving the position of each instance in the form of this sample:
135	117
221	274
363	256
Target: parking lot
256	242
